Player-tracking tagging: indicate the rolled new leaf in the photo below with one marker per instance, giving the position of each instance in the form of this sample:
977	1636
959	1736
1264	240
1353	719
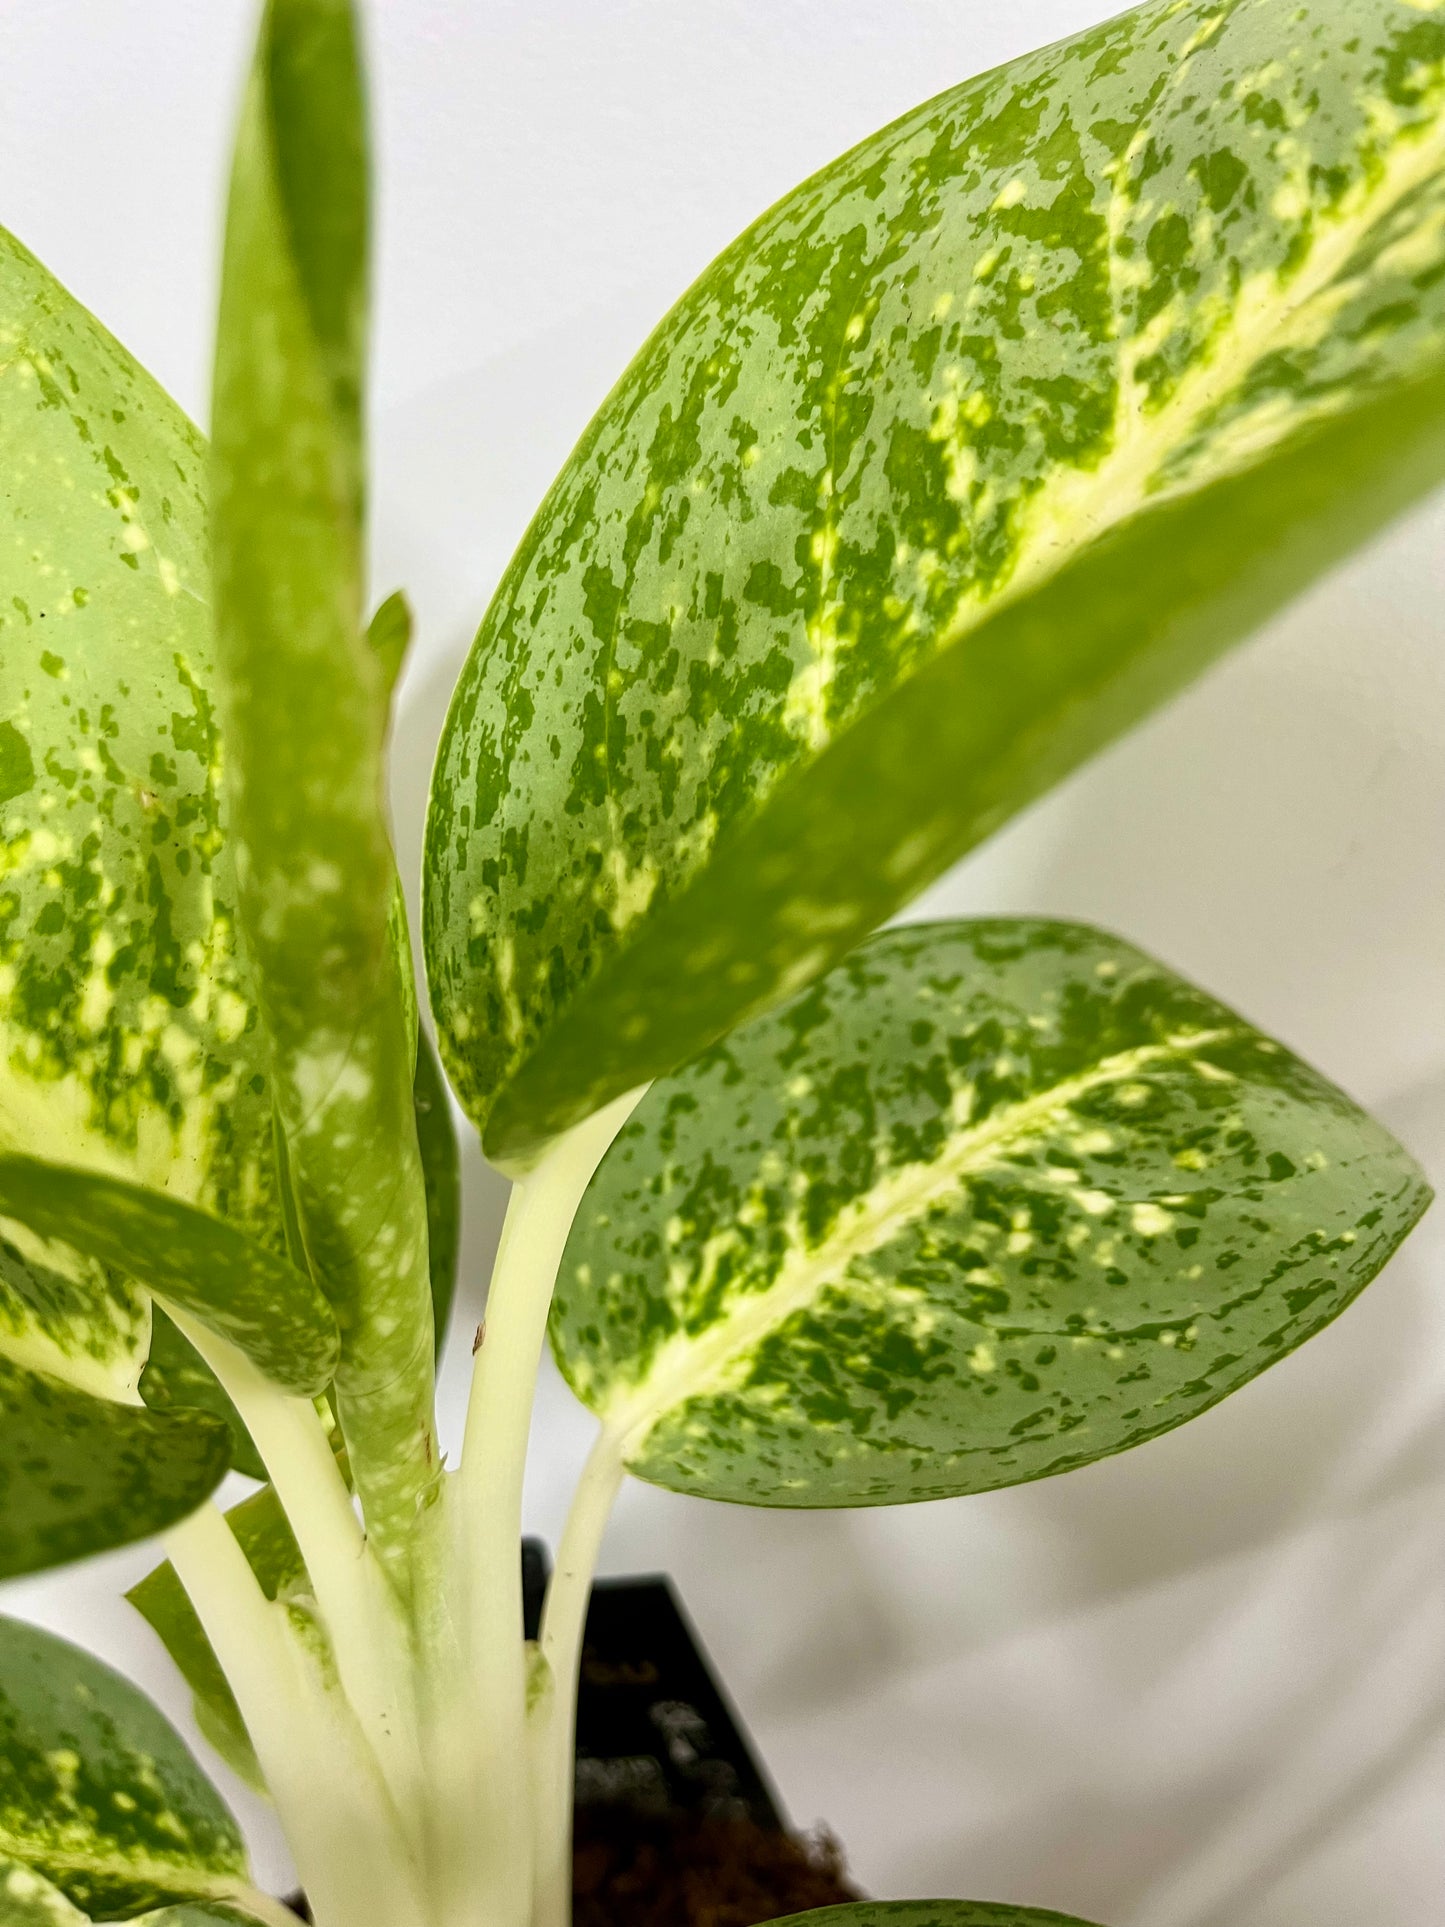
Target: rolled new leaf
98	1793
991	1200
260	1302
929	1913
971	450
80	1474
305	699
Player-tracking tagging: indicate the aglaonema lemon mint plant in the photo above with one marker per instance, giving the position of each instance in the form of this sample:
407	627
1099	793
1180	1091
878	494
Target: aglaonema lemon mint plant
972	449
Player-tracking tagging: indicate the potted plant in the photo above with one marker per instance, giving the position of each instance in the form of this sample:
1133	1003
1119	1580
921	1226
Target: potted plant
971	450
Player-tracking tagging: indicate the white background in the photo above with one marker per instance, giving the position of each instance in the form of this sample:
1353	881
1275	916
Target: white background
1199	1686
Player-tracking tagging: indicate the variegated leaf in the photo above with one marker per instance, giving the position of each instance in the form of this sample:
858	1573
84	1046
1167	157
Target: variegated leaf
80	1474
971	450
98	1793
128	1032
929	1913
990	1200
305	702
263	1534
67	1315
233	1284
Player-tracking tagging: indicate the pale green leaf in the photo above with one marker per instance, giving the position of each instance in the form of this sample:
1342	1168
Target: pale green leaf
260	1302
98	1793
929	1913
80	1474
973	449
987	1202
263	1534
304	698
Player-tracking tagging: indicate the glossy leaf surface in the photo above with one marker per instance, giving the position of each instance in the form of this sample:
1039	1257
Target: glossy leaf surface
305	699
97	1791
990	1200
80	1474
248	1294
970	451
930	1913
263	1534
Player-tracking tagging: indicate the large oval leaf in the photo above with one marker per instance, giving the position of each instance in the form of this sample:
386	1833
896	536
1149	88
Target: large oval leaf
989	1201
128	1033
930	1913
259	1301
971	450
81	1474
97	1791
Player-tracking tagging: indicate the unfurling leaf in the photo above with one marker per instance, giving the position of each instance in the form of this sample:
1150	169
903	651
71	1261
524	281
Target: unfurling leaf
969	452
98	1793
304	699
987	1202
80	1474
259	1301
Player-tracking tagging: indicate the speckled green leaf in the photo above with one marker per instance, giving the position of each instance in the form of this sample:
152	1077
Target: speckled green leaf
67	1315
305	700
970	451
990	1200
176	1378
262	1532
930	1913
128	1034
231	1283
80	1474
97	1791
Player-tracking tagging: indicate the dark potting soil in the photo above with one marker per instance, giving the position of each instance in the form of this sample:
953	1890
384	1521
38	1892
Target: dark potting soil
632	1869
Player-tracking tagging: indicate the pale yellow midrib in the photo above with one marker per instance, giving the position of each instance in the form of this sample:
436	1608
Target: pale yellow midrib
1075	506
685	1368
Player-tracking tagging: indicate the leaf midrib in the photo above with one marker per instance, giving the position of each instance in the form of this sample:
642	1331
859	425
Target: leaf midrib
686	1367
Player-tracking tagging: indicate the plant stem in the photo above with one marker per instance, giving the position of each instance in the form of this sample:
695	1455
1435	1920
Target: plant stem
534	1236
339	1820
358	1605
564	1621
